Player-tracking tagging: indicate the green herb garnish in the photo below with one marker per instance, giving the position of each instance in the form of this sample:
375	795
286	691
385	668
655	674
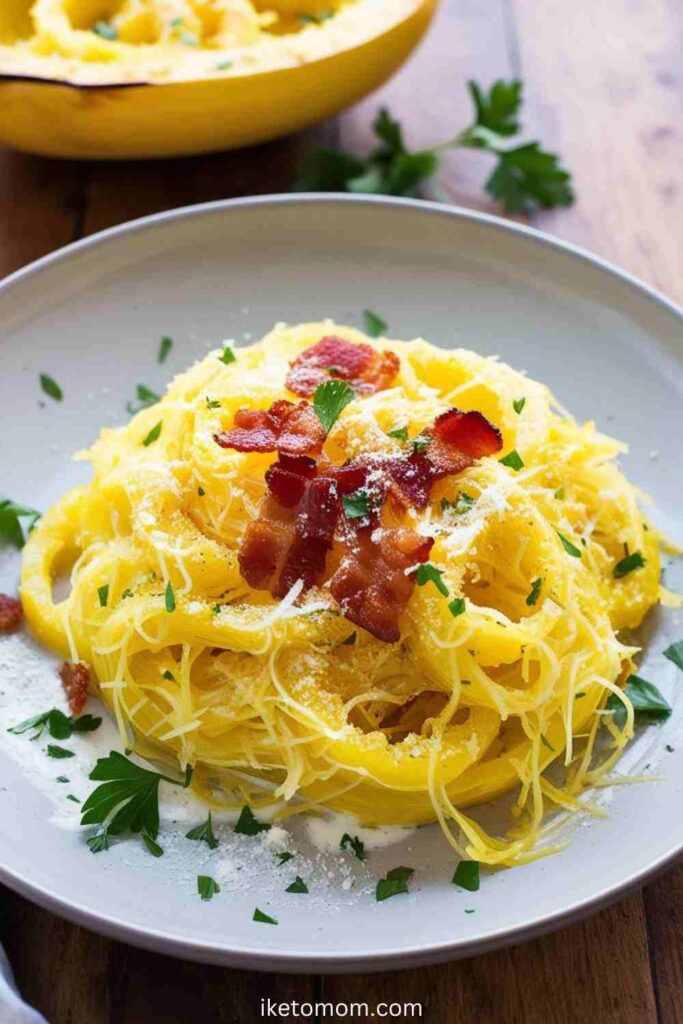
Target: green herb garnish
167	674
298	885
169	598
570	548
51	387
151	844
127	800
153	435
284	857
535	591
356	844
223	65
513	460
646	699
248	825
457	606
207	887
329	401
53	750
525	177
463	504
145	396
316	19
262	918
466	875
165	346
212	403
204	833
559	494
375	325
11	529
228	355
103	594
350	640
428	573
399	433
59	725
518	404
72	798
105	31
358	505
421	443
395	882
627	564
547	743
674	652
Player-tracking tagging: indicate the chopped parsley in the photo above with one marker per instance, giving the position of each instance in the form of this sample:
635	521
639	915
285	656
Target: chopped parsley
165	346
167	674
151	844
463	504
204	833
169	598
51	387
103	594
53	750
298	885
518	404
223	65
428	573
153	435
358	505
212	403
105	31
646	699
207	887
627	564
534	593
284	857
59	725
559	494
329	401
375	325
145	398
316	19
513	460
61	778
127	593
72	798
674	652
395	882
356	844
262	918
399	433
228	355
421	443
570	548
466	875
248	825
126	801
11	528
350	640
457	606
200	491
547	743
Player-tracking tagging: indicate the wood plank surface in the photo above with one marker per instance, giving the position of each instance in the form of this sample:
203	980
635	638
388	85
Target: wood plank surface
604	87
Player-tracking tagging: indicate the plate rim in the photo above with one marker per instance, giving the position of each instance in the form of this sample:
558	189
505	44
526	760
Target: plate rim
259	958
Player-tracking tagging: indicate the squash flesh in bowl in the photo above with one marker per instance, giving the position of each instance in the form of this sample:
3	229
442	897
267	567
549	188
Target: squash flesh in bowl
246	74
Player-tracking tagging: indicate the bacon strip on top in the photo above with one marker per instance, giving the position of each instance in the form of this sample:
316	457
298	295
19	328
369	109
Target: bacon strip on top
366	370
284	427
76	681
10	614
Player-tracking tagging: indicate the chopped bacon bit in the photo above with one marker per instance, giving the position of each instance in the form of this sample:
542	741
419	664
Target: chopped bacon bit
366	370
285	427
75	680
287	478
467	432
10	614
371	583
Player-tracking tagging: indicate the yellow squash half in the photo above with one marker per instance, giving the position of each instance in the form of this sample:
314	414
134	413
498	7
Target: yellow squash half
220	74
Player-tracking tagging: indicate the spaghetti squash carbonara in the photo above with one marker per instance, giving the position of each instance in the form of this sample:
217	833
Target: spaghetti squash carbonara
368	575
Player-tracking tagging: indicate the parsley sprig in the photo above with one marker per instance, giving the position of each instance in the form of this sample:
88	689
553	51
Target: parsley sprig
646	699
525	178
12	530
59	725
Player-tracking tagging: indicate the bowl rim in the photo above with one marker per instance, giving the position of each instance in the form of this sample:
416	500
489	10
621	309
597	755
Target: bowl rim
258	958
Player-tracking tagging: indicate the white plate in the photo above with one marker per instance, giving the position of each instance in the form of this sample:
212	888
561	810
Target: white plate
92	315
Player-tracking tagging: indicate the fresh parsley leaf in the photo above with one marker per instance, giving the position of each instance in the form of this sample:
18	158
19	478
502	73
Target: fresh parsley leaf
645	698
535	591
457	606
200	491
207	887
513	460
72	798
127	593
421	443
61	778
204	833
128	798
527	178
674	652
559	494
99	840
151	844
228	355
212	403
298	885
59	725
428	573
248	825
330	399
466	875
11	529
262	918
570	548
283	857
498	109
85	723
105	31
375	325
103	594
165	346
350	640
169	598
358	505
395	882
518	404
399	433
328	170
51	387
461	506
153	435
316	19
58	752
356	844
145	396
627	564
167	674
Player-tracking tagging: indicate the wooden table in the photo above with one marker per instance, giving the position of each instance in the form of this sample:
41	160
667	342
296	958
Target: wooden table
604	87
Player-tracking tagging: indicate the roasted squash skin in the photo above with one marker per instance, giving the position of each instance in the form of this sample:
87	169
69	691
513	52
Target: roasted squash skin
144	119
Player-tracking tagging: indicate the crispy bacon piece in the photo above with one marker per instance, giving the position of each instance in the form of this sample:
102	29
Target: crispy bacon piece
366	370
284	427
371	583
10	614
75	680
